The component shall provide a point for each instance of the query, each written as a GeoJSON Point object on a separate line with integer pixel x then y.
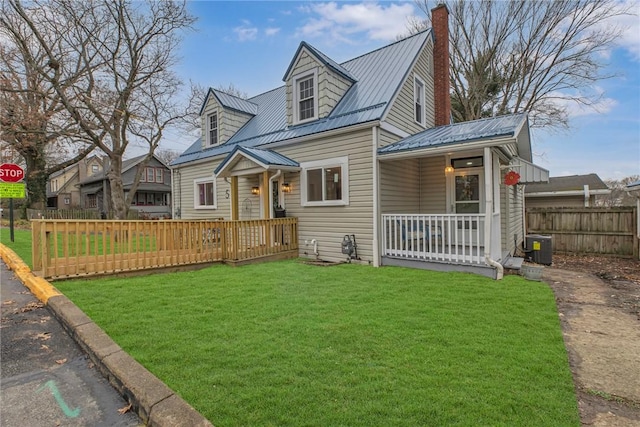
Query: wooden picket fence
{"type": "Point", "coordinates": [606, 231]}
{"type": "Point", "coordinates": [74, 248]}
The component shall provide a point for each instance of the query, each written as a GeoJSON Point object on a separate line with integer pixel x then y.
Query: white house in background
{"type": "Point", "coordinates": [365, 149]}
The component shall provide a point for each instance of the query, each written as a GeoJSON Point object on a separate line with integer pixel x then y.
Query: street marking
{"type": "Point", "coordinates": [71, 413]}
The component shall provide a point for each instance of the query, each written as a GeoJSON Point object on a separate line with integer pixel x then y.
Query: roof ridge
{"type": "Point", "coordinates": [387, 46]}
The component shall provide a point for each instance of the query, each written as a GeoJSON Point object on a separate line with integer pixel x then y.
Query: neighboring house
{"type": "Point", "coordinates": [152, 198]}
{"type": "Point", "coordinates": [63, 186]}
{"type": "Point", "coordinates": [364, 151]}
{"type": "Point", "coordinates": [566, 191]}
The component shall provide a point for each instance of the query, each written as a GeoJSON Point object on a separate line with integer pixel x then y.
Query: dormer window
{"type": "Point", "coordinates": [306, 97]}
{"type": "Point", "coordinates": [212, 124]}
{"type": "Point", "coordinates": [418, 95]}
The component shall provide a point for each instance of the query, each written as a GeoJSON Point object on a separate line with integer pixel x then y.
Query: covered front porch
{"type": "Point", "coordinates": [447, 200]}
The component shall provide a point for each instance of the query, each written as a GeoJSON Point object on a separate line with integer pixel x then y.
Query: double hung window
{"type": "Point", "coordinates": [305, 105]}
{"type": "Point", "coordinates": [212, 128]}
{"type": "Point", "coordinates": [205, 193]}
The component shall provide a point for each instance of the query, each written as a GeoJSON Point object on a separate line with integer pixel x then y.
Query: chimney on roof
{"type": "Point", "coordinates": [441, 78]}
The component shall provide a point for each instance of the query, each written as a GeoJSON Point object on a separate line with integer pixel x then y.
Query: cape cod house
{"type": "Point", "coordinates": [364, 156]}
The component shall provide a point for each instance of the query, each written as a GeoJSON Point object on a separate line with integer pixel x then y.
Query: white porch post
{"type": "Point", "coordinates": [488, 211]}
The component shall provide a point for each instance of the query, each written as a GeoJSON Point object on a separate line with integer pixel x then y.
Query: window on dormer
{"type": "Point", "coordinates": [212, 128]}
{"type": "Point", "coordinates": [306, 97]}
{"type": "Point", "coordinates": [418, 96]}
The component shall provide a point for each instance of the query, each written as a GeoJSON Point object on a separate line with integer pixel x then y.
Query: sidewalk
{"type": "Point", "coordinates": [153, 402]}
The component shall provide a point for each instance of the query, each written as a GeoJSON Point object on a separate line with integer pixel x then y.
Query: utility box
{"type": "Point", "coordinates": [539, 249]}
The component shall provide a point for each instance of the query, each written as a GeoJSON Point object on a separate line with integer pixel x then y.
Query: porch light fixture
{"type": "Point", "coordinates": [286, 187]}
{"type": "Point", "coordinates": [448, 169]}
{"type": "Point", "coordinates": [255, 190]}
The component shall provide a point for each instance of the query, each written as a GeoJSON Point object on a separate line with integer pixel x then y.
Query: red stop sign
{"type": "Point", "coordinates": [10, 172]}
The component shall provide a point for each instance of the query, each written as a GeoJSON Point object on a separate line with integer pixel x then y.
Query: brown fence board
{"type": "Point", "coordinates": [607, 231]}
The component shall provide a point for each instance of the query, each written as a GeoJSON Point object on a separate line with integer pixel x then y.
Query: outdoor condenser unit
{"type": "Point", "coordinates": [539, 249]}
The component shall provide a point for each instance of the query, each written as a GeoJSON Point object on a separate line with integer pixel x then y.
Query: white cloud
{"type": "Point", "coordinates": [271, 31]}
{"type": "Point", "coordinates": [340, 22]}
{"type": "Point", "coordinates": [246, 32]}
{"type": "Point", "coordinates": [630, 39]}
{"type": "Point", "coordinates": [602, 105]}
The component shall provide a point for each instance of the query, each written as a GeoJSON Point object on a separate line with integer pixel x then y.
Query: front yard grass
{"type": "Point", "coordinates": [290, 344]}
{"type": "Point", "coordinates": [21, 244]}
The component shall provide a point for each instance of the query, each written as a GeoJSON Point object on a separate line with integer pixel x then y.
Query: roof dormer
{"type": "Point", "coordinates": [315, 84]}
{"type": "Point", "coordinates": [222, 116]}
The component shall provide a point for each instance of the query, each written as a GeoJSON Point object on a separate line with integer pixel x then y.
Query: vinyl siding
{"type": "Point", "coordinates": [326, 224]}
{"type": "Point", "coordinates": [400, 186]}
{"type": "Point", "coordinates": [329, 224]}
{"type": "Point", "coordinates": [433, 185]}
{"type": "Point", "coordinates": [401, 114]}
{"type": "Point", "coordinates": [229, 121]}
{"type": "Point", "coordinates": [511, 219]}
{"type": "Point", "coordinates": [331, 86]}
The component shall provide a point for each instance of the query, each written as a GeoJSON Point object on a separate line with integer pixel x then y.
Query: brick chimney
{"type": "Point", "coordinates": [442, 97]}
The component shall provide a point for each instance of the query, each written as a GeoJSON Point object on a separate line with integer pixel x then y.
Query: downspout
{"type": "Point", "coordinates": [273, 177]}
{"type": "Point", "coordinates": [488, 214]}
{"type": "Point", "coordinates": [376, 199]}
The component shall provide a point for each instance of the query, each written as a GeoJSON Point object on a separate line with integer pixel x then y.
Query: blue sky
{"type": "Point", "coordinates": [249, 44]}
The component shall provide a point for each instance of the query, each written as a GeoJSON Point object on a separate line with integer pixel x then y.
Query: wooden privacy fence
{"type": "Point", "coordinates": [608, 231]}
{"type": "Point", "coordinates": [71, 248]}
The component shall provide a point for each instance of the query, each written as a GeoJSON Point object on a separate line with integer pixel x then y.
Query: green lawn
{"type": "Point", "coordinates": [21, 244]}
{"type": "Point", "coordinates": [289, 344]}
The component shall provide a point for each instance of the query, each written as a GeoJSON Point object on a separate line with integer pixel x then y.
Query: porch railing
{"type": "Point", "coordinates": [444, 237]}
{"type": "Point", "coordinates": [70, 248]}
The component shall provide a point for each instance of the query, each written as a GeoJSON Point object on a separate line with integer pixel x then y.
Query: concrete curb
{"type": "Point", "coordinates": [154, 402]}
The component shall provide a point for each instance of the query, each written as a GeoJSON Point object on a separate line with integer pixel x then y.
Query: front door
{"type": "Point", "coordinates": [468, 199]}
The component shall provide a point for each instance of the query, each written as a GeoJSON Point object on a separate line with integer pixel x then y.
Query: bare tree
{"type": "Point", "coordinates": [166, 155]}
{"type": "Point", "coordinates": [33, 122]}
{"type": "Point", "coordinates": [533, 56]}
{"type": "Point", "coordinates": [110, 63]}
{"type": "Point", "coordinates": [618, 196]}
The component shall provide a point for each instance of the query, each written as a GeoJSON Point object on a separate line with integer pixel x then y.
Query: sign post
{"type": "Point", "coordinates": [11, 188]}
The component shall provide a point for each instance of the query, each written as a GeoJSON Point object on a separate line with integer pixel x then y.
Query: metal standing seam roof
{"type": "Point", "coordinates": [323, 58]}
{"type": "Point", "coordinates": [378, 74]}
{"type": "Point", "coordinates": [265, 157]}
{"type": "Point", "coordinates": [476, 130]}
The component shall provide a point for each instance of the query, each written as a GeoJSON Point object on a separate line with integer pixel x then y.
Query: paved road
{"type": "Point", "coordinates": [45, 378]}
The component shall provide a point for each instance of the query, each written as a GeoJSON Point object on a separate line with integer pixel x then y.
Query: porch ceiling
{"type": "Point", "coordinates": [235, 163]}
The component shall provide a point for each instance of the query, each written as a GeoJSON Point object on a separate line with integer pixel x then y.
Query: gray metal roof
{"type": "Point", "coordinates": [323, 58]}
{"type": "Point", "coordinates": [379, 75]}
{"type": "Point", "coordinates": [235, 103]}
{"type": "Point", "coordinates": [568, 183]}
{"type": "Point", "coordinates": [264, 157]}
{"type": "Point", "coordinates": [476, 130]}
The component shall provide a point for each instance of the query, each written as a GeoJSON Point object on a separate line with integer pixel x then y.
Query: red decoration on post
{"type": "Point", "coordinates": [512, 178]}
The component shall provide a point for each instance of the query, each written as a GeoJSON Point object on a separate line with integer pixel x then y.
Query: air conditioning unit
{"type": "Point", "coordinates": [539, 249]}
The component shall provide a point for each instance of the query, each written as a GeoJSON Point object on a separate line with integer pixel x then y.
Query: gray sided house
{"type": "Point", "coordinates": [63, 186]}
{"type": "Point", "coordinates": [153, 196]}
{"type": "Point", "coordinates": [566, 191]}
{"type": "Point", "coordinates": [365, 149]}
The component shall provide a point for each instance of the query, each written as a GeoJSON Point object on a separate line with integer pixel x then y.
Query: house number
{"type": "Point", "coordinates": [226, 194]}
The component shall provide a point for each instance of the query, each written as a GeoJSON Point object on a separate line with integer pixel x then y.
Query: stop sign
{"type": "Point", "coordinates": [10, 172]}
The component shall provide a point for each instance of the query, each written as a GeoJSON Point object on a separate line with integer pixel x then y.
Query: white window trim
{"type": "Point", "coordinates": [214, 113]}
{"type": "Point", "coordinates": [418, 80]}
{"type": "Point", "coordinates": [343, 162]}
{"type": "Point", "coordinates": [296, 96]}
{"type": "Point", "coordinates": [196, 193]}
